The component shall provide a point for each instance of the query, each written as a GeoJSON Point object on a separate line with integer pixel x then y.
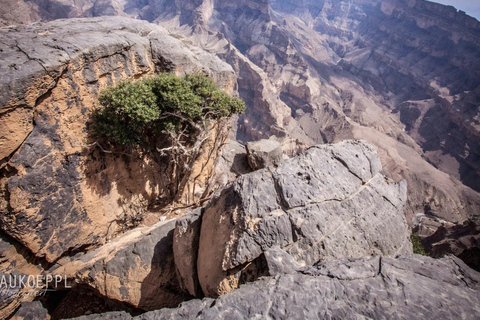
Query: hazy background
{"type": "Point", "coordinates": [471, 7]}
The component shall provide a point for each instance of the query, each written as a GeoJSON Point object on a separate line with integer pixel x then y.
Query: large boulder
{"type": "Point", "coordinates": [328, 203]}
{"type": "Point", "coordinates": [60, 193]}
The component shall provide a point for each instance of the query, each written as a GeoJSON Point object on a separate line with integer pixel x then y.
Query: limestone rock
{"type": "Point", "coordinates": [263, 153]}
{"type": "Point", "coordinates": [378, 287]}
{"type": "Point", "coordinates": [31, 310]}
{"type": "Point", "coordinates": [185, 249]}
{"type": "Point", "coordinates": [355, 76]}
{"type": "Point", "coordinates": [137, 268]}
{"type": "Point", "coordinates": [329, 203]}
{"type": "Point", "coordinates": [60, 193]}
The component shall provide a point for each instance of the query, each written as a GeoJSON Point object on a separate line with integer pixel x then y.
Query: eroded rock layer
{"type": "Point", "coordinates": [61, 192]}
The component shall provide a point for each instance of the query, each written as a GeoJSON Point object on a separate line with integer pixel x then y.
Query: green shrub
{"type": "Point", "coordinates": [417, 244]}
{"type": "Point", "coordinates": [136, 113]}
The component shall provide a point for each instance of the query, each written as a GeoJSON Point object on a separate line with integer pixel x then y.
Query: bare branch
{"type": "Point", "coordinates": [166, 115]}
{"type": "Point", "coordinates": [96, 143]}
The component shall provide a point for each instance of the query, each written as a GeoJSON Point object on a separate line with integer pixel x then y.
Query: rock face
{"type": "Point", "coordinates": [61, 193]}
{"type": "Point", "coordinates": [185, 250]}
{"type": "Point", "coordinates": [263, 153]}
{"type": "Point", "coordinates": [31, 310]}
{"type": "Point", "coordinates": [329, 203]}
{"type": "Point", "coordinates": [380, 288]}
{"type": "Point", "coordinates": [137, 268]}
{"type": "Point", "coordinates": [399, 74]}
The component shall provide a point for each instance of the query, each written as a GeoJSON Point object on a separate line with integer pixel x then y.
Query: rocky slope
{"type": "Point", "coordinates": [310, 72]}
{"type": "Point", "coordinates": [378, 288]}
{"type": "Point", "coordinates": [330, 70]}
{"type": "Point", "coordinates": [62, 192]}
{"type": "Point", "coordinates": [327, 204]}
{"type": "Point", "coordinates": [402, 75]}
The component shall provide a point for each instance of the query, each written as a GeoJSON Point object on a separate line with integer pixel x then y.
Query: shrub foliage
{"type": "Point", "coordinates": [418, 247]}
{"type": "Point", "coordinates": [170, 116]}
{"type": "Point", "coordinates": [137, 113]}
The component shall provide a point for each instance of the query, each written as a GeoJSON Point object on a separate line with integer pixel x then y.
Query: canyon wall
{"type": "Point", "coordinates": [402, 75]}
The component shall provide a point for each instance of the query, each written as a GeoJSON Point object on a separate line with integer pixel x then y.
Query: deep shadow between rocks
{"type": "Point", "coordinates": [82, 300]}
{"type": "Point", "coordinates": [240, 164]}
{"type": "Point", "coordinates": [161, 287]}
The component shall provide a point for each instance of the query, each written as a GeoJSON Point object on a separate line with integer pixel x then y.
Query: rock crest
{"type": "Point", "coordinates": [263, 153]}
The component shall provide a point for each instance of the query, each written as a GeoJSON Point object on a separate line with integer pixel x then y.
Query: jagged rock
{"type": "Point", "coordinates": [137, 268]}
{"type": "Point", "coordinates": [328, 203]}
{"type": "Point", "coordinates": [341, 78]}
{"type": "Point", "coordinates": [407, 287]}
{"type": "Point", "coordinates": [263, 153]}
{"type": "Point", "coordinates": [59, 193]}
{"type": "Point", "coordinates": [280, 262]}
{"type": "Point", "coordinates": [440, 238]}
{"type": "Point", "coordinates": [185, 250]}
{"type": "Point", "coordinates": [30, 311]}
{"type": "Point", "coordinates": [15, 260]}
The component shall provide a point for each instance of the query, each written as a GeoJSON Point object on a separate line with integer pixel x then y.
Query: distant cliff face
{"type": "Point", "coordinates": [402, 75]}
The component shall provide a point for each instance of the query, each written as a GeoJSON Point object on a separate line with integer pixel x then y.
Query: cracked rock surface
{"type": "Point", "coordinates": [407, 287]}
{"type": "Point", "coordinates": [329, 203]}
{"type": "Point", "coordinates": [59, 193]}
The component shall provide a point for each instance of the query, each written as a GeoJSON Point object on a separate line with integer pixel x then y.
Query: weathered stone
{"type": "Point", "coordinates": [30, 311]}
{"type": "Point", "coordinates": [406, 287]}
{"type": "Point", "coordinates": [185, 250]}
{"type": "Point", "coordinates": [263, 153]}
{"type": "Point", "coordinates": [280, 262]}
{"type": "Point", "coordinates": [60, 193]}
{"type": "Point", "coordinates": [137, 268]}
{"type": "Point", "coordinates": [328, 203]}
{"type": "Point", "coordinates": [114, 315]}
{"type": "Point", "coordinates": [355, 77]}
